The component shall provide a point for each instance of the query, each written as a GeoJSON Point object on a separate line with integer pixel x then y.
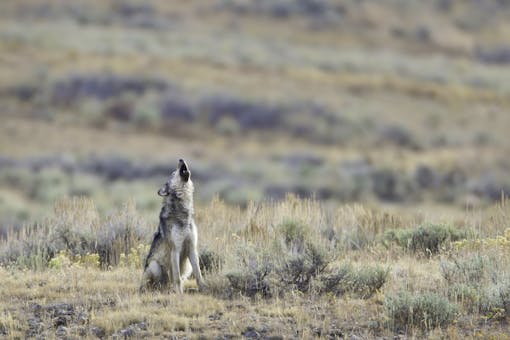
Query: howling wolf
{"type": "Point", "coordinates": [174, 245]}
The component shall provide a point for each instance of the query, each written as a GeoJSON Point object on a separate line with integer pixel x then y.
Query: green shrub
{"type": "Point", "coordinates": [337, 282]}
{"type": "Point", "coordinates": [368, 280]}
{"type": "Point", "coordinates": [425, 239]}
{"type": "Point", "coordinates": [469, 269]}
{"type": "Point", "coordinates": [210, 261]}
{"type": "Point", "coordinates": [296, 262]}
{"type": "Point", "coordinates": [291, 263]}
{"type": "Point", "coordinates": [298, 271]}
{"type": "Point", "coordinates": [250, 272]}
{"type": "Point", "coordinates": [494, 300]}
{"type": "Point", "coordinates": [465, 295]}
{"type": "Point", "coordinates": [481, 282]}
{"type": "Point", "coordinates": [362, 282]}
{"type": "Point", "coordinates": [252, 281]}
{"type": "Point", "coordinates": [294, 233]}
{"type": "Point", "coordinates": [425, 311]}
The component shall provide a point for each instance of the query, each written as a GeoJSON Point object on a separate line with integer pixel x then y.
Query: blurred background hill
{"type": "Point", "coordinates": [393, 102]}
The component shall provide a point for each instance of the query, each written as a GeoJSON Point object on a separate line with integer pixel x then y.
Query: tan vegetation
{"type": "Point", "coordinates": [319, 271]}
{"type": "Point", "coordinates": [388, 119]}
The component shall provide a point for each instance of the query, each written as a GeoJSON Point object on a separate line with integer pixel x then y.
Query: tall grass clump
{"type": "Point", "coordinates": [120, 233]}
{"type": "Point", "coordinates": [29, 247]}
{"type": "Point", "coordinates": [76, 229]}
{"type": "Point", "coordinates": [357, 227]}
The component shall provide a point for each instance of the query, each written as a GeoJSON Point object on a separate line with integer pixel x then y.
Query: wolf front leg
{"type": "Point", "coordinates": [193, 258]}
{"type": "Point", "coordinates": [176, 271]}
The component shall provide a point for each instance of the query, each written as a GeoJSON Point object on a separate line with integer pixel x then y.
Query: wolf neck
{"type": "Point", "coordinates": [178, 206]}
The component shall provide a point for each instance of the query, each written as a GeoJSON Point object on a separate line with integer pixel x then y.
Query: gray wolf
{"type": "Point", "coordinates": [174, 246]}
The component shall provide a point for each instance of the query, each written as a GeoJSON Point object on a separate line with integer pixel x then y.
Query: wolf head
{"type": "Point", "coordinates": [179, 184]}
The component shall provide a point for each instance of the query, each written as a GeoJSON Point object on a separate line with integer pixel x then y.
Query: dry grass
{"type": "Point", "coordinates": [76, 298]}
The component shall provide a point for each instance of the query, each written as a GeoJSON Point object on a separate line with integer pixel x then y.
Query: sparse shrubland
{"type": "Point", "coordinates": [275, 257]}
{"type": "Point", "coordinates": [390, 134]}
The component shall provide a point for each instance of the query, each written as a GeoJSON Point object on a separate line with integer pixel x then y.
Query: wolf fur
{"type": "Point", "coordinates": [174, 246]}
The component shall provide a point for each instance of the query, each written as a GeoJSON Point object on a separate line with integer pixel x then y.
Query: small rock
{"type": "Point", "coordinates": [61, 331]}
{"type": "Point", "coordinates": [250, 332]}
{"type": "Point", "coordinates": [35, 308]}
{"type": "Point", "coordinates": [215, 316]}
{"type": "Point", "coordinates": [61, 321]}
{"type": "Point", "coordinates": [317, 331]}
{"type": "Point", "coordinates": [82, 318]}
{"type": "Point", "coordinates": [97, 331]}
{"type": "Point", "coordinates": [35, 326]}
{"type": "Point", "coordinates": [373, 324]}
{"type": "Point", "coordinates": [128, 332]}
{"type": "Point", "coordinates": [82, 331]}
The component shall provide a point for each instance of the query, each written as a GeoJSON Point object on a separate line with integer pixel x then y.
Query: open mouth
{"type": "Point", "coordinates": [183, 170]}
{"type": "Point", "coordinates": [182, 165]}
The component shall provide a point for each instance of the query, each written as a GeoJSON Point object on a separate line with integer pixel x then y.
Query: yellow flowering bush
{"type": "Point", "coordinates": [64, 260]}
{"type": "Point", "coordinates": [501, 241]}
{"type": "Point", "coordinates": [135, 257]}
{"type": "Point", "coordinates": [87, 260]}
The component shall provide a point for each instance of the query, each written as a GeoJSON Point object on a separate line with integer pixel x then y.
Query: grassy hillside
{"type": "Point", "coordinates": [341, 99]}
{"type": "Point", "coordinates": [386, 120]}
